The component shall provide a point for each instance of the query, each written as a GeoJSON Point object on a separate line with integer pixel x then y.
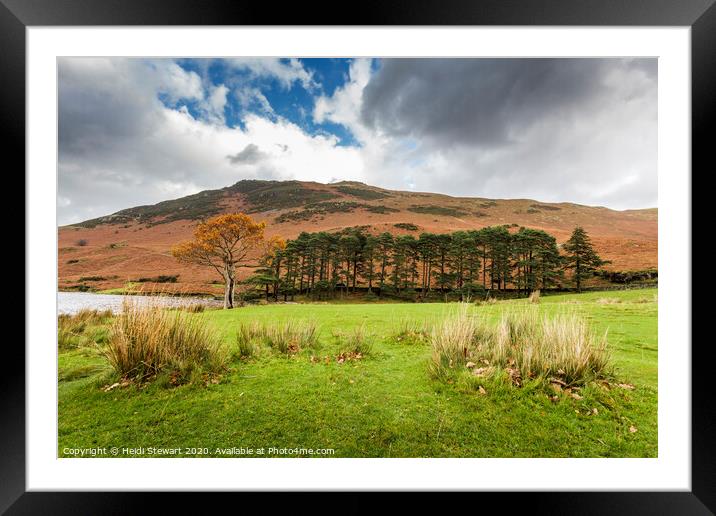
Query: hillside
{"type": "Point", "coordinates": [133, 245]}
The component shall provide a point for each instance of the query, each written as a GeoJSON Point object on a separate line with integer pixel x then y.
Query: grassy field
{"type": "Point", "coordinates": [384, 404]}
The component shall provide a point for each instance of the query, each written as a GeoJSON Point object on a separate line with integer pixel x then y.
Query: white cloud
{"type": "Point", "coordinates": [344, 106]}
{"type": "Point", "coordinates": [285, 71]}
{"type": "Point", "coordinates": [249, 97]}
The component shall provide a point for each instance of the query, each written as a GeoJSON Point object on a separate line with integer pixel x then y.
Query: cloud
{"type": "Point", "coordinates": [286, 71]}
{"type": "Point", "coordinates": [252, 98]}
{"type": "Point", "coordinates": [344, 106]}
{"type": "Point", "coordinates": [249, 156]}
{"type": "Point", "coordinates": [552, 129]}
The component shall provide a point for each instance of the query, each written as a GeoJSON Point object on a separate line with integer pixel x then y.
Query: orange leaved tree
{"type": "Point", "coordinates": [224, 243]}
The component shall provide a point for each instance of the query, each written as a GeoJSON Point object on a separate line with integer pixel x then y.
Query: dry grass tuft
{"type": "Point", "coordinates": [525, 343]}
{"type": "Point", "coordinates": [147, 339]}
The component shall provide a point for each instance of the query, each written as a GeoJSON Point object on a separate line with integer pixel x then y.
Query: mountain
{"type": "Point", "coordinates": [133, 245]}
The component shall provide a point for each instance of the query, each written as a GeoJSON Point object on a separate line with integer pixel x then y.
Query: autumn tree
{"type": "Point", "coordinates": [581, 257]}
{"type": "Point", "coordinates": [223, 243]}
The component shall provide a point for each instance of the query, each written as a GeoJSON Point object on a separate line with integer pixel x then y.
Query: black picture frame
{"type": "Point", "coordinates": [700, 15]}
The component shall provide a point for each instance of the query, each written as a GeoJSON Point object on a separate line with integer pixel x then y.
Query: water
{"type": "Point", "coordinates": [73, 302]}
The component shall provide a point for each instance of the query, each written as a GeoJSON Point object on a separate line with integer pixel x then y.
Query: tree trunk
{"type": "Point", "coordinates": [228, 290]}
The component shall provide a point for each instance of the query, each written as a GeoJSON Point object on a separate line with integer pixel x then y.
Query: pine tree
{"type": "Point", "coordinates": [581, 257]}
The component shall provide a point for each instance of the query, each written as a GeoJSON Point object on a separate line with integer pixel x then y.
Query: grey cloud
{"type": "Point", "coordinates": [552, 129]}
{"type": "Point", "coordinates": [481, 102]}
{"type": "Point", "coordinates": [249, 156]}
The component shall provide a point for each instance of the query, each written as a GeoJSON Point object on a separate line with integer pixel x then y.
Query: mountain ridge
{"type": "Point", "coordinates": [136, 242]}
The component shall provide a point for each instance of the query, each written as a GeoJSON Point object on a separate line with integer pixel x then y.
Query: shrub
{"type": "Point", "coordinates": [169, 278]}
{"type": "Point", "coordinates": [82, 242]}
{"type": "Point", "coordinates": [406, 225]}
{"type": "Point", "coordinates": [145, 340]}
{"type": "Point", "coordinates": [525, 344]}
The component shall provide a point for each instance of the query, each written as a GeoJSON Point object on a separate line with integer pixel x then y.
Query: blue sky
{"type": "Point", "coordinates": [293, 102]}
{"type": "Point", "coordinates": [136, 131]}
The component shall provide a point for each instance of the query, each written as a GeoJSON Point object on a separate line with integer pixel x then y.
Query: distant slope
{"type": "Point", "coordinates": [135, 243]}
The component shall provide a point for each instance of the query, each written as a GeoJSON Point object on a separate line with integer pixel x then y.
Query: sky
{"type": "Point", "coordinates": [139, 131]}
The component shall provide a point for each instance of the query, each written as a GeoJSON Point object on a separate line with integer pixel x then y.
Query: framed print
{"type": "Point", "coordinates": [422, 252]}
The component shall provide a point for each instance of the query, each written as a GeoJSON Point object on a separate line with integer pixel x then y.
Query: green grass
{"type": "Point", "coordinates": [384, 404]}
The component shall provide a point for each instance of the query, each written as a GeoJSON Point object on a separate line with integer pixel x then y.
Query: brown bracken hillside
{"type": "Point", "coordinates": [135, 244]}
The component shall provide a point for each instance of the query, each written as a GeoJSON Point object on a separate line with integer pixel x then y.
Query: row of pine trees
{"type": "Point", "coordinates": [462, 263]}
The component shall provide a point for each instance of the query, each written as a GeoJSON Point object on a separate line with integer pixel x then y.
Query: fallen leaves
{"type": "Point", "coordinates": [633, 429]}
{"type": "Point", "coordinates": [515, 376]}
{"type": "Point", "coordinates": [483, 371]}
{"type": "Point", "coordinates": [347, 356]}
{"type": "Point", "coordinates": [626, 386]}
{"type": "Point", "coordinates": [123, 383]}
{"type": "Point", "coordinates": [557, 381]}
{"type": "Point", "coordinates": [211, 379]}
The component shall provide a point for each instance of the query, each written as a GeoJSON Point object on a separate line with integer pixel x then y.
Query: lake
{"type": "Point", "coordinates": [73, 302]}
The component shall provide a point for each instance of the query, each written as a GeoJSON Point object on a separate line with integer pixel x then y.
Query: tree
{"type": "Point", "coordinates": [581, 257]}
{"type": "Point", "coordinates": [223, 243]}
{"type": "Point", "coordinates": [268, 273]}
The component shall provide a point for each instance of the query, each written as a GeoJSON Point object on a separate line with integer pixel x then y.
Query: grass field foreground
{"type": "Point", "coordinates": [380, 401]}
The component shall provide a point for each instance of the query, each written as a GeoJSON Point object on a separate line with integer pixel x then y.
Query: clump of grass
{"type": "Point", "coordinates": [357, 341]}
{"type": "Point", "coordinates": [287, 337]}
{"type": "Point", "coordinates": [642, 300]}
{"type": "Point", "coordinates": [525, 344]}
{"type": "Point", "coordinates": [146, 339]}
{"type": "Point", "coordinates": [81, 329]}
{"type": "Point", "coordinates": [247, 336]}
{"type": "Point", "coordinates": [608, 301]}
{"type": "Point", "coordinates": [534, 297]}
{"type": "Point", "coordinates": [410, 331]}
{"type": "Point", "coordinates": [291, 336]}
{"type": "Point", "coordinates": [454, 339]}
